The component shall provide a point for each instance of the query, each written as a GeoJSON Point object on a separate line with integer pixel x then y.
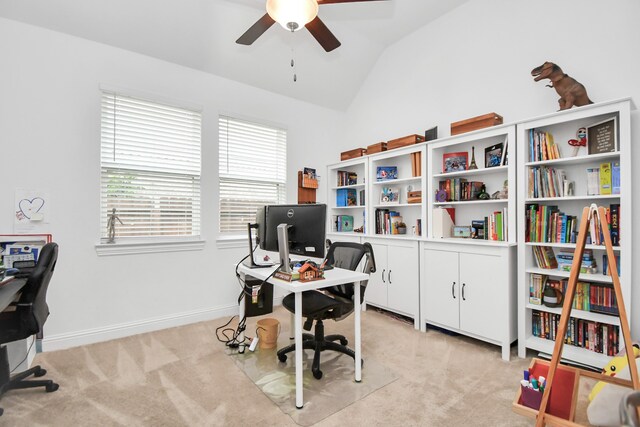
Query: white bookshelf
{"type": "Point", "coordinates": [563, 126]}
{"type": "Point", "coordinates": [359, 167]}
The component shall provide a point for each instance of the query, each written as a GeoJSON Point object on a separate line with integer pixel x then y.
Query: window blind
{"type": "Point", "coordinates": [253, 163]}
{"type": "Point", "coordinates": [150, 167]}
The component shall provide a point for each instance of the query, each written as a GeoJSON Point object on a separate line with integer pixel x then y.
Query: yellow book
{"type": "Point", "coordinates": [605, 178]}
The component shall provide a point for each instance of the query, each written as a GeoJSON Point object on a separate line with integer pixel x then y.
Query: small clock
{"type": "Point", "coordinates": [441, 196]}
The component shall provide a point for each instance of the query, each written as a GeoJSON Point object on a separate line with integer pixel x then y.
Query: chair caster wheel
{"type": "Point", "coordinates": [282, 358]}
{"type": "Point", "coordinates": [343, 341]}
{"type": "Point", "coordinates": [50, 388]}
{"type": "Point", "coordinates": [317, 374]}
{"type": "Point", "coordinates": [40, 372]}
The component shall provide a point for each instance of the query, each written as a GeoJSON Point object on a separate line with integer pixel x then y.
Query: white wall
{"type": "Point", "coordinates": [49, 133]}
{"type": "Point", "coordinates": [477, 59]}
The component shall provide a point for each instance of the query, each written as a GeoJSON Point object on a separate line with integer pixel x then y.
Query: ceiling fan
{"type": "Point", "coordinates": [293, 15]}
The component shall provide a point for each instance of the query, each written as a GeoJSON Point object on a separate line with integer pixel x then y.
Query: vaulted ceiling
{"type": "Point", "coordinates": [201, 34]}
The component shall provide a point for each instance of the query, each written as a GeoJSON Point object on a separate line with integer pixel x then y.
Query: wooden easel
{"type": "Point", "coordinates": [588, 214]}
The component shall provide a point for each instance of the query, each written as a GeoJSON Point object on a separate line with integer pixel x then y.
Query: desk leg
{"type": "Point", "coordinates": [292, 326]}
{"type": "Point", "coordinates": [299, 350]}
{"type": "Point", "coordinates": [357, 312]}
{"type": "Point", "coordinates": [240, 316]}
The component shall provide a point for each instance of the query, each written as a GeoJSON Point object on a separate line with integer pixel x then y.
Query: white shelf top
{"type": "Point", "coordinates": [348, 207]}
{"type": "Point", "coordinates": [467, 241]}
{"type": "Point", "coordinates": [569, 198]}
{"type": "Point", "coordinates": [474, 172]}
{"type": "Point", "coordinates": [584, 277]}
{"type": "Point", "coordinates": [569, 352]}
{"type": "Point", "coordinates": [472, 202]}
{"type": "Point", "coordinates": [346, 233]}
{"type": "Point", "coordinates": [396, 236]}
{"type": "Point", "coordinates": [576, 160]}
{"type": "Point", "coordinates": [397, 205]}
{"type": "Point", "coordinates": [348, 186]}
{"type": "Point", "coordinates": [579, 314]}
{"type": "Point", "coordinates": [571, 246]}
{"type": "Point", "coordinates": [399, 180]}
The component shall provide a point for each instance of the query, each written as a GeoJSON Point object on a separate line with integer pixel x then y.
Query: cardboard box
{"type": "Point", "coordinates": [404, 141]}
{"type": "Point", "coordinates": [377, 148]}
{"type": "Point", "coordinates": [352, 154]}
{"type": "Point", "coordinates": [475, 123]}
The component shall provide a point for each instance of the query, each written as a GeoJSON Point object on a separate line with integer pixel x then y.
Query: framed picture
{"type": "Point", "coordinates": [601, 137]}
{"type": "Point", "coordinates": [453, 162]}
{"type": "Point", "coordinates": [493, 155]}
{"type": "Point", "coordinates": [390, 196]}
{"type": "Point", "coordinates": [461, 231]}
{"type": "Point", "coordinates": [385, 173]}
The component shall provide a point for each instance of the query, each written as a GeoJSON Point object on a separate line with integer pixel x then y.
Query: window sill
{"type": "Point", "coordinates": [232, 241]}
{"type": "Point", "coordinates": [148, 247]}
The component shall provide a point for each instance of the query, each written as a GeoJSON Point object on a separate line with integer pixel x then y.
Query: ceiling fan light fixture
{"type": "Point", "coordinates": [293, 15]}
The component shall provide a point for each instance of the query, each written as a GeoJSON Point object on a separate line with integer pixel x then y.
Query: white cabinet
{"type": "Point", "coordinates": [470, 289]}
{"type": "Point", "coordinates": [395, 284]}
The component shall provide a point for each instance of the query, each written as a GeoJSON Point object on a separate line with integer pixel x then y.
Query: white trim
{"type": "Point", "coordinates": [148, 247]}
{"type": "Point", "coordinates": [231, 241]}
{"type": "Point", "coordinates": [90, 336]}
{"type": "Point", "coordinates": [152, 97]}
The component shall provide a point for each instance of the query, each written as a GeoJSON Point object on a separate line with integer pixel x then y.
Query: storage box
{"type": "Point", "coordinates": [474, 123]}
{"type": "Point", "coordinates": [352, 154]}
{"type": "Point", "coordinates": [377, 148]}
{"type": "Point", "coordinates": [563, 397]}
{"type": "Point", "coordinates": [404, 141]}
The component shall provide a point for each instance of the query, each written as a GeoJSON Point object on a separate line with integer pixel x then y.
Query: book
{"type": "Point", "coordinates": [615, 177]}
{"type": "Point", "coordinates": [346, 197]}
{"type": "Point", "coordinates": [593, 181]}
{"type": "Point", "coordinates": [614, 223]}
{"type": "Point", "coordinates": [345, 223]}
{"type": "Point", "coordinates": [605, 178]}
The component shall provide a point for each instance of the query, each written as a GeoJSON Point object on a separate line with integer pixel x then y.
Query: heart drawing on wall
{"type": "Point", "coordinates": [30, 207]}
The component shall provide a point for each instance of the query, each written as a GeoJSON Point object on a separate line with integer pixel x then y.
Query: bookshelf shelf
{"type": "Point", "coordinates": [550, 214]}
{"type": "Point", "coordinates": [348, 207]}
{"type": "Point", "coordinates": [388, 182]}
{"type": "Point", "coordinates": [348, 186]}
{"type": "Point", "coordinates": [473, 173]}
{"type": "Point", "coordinates": [473, 202]}
{"type": "Point", "coordinates": [400, 205]}
{"type": "Point", "coordinates": [578, 314]}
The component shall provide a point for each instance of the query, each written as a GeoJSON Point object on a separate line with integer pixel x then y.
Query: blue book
{"type": "Point", "coordinates": [563, 230]}
{"type": "Point", "coordinates": [341, 197]}
{"type": "Point", "coordinates": [615, 177]}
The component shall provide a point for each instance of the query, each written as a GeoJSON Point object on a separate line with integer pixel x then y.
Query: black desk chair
{"type": "Point", "coordinates": [336, 303]}
{"type": "Point", "coordinates": [26, 318]}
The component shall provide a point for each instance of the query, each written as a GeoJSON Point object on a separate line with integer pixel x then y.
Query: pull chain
{"type": "Point", "coordinates": [293, 65]}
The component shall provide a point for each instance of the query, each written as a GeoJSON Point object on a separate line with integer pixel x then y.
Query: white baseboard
{"type": "Point", "coordinates": [91, 336]}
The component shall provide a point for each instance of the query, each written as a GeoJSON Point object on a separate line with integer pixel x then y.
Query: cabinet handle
{"type": "Point", "coordinates": [463, 285]}
{"type": "Point", "coordinates": [383, 270]}
{"type": "Point", "coordinates": [389, 276]}
{"type": "Point", "coordinates": [453, 287]}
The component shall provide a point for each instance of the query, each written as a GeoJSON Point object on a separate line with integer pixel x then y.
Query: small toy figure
{"type": "Point", "coordinates": [111, 226]}
{"type": "Point", "coordinates": [580, 142]}
{"type": "Point", "coordinates": [571, 92]}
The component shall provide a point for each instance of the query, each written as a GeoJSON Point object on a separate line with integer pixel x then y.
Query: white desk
{"type": "Point", "coordinates": [334, 277]}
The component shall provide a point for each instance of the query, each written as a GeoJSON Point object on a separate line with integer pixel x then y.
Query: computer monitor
{"type": "Point", "coordinates": [305, 227]}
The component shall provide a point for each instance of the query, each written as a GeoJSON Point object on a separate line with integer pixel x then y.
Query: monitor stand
{"type": "Point", "coordinates": [252, 263]}
{"type": "Point", "coordinates": [283, 247]}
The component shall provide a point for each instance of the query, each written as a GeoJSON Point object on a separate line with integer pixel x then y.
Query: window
{"type": "Point", "coordinates": [253, 163]}
{"type": "Point", "coordinates": [150, 168]}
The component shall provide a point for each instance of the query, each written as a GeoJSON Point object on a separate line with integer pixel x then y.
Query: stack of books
{"type": "Point", "coordinates": [565, 261]}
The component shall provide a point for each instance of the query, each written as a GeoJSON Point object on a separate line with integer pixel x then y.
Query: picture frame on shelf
{"type": "Point", "coordinates": [386, 173]}
{"type": "Point", "coordinates": [461, 231]}
{"type": "Point", "coordinates": [389, 196]}
{"type": "Point", "coordinates": [601, 136]}
{"type": "Point", "coordinates": [493, 155]}
{"type": "Point", "coordinates": [454, 162]}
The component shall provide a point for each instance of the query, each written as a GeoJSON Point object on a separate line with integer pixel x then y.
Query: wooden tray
{"type": "Point", "coordinates": [404, 141]}
{"type": "Point", "coordinates": [352, 154]}
{"type": "Point", "coordinates": [475, 123]}
{"type": "Point", "coordinates": [377, 148]}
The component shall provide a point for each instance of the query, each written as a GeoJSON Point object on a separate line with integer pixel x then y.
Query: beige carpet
{"type": "Point", "coordinates": [182, 377]}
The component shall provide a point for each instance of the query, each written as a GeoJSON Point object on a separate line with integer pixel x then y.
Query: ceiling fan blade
{"type": "Point", "coordinates": [343, 1]}
{"type": "Point", "coordinates": [256, 30]}
{"type": "Point", "coordinates": [321, 33]}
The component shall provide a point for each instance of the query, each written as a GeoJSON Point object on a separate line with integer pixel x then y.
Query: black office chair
{"type": "Point", "coordinates": [26, 318]}
{"type": "Point", "coordinates": [335, 303]}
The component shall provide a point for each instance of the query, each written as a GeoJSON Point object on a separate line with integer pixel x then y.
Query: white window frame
{"type": "Point", "coordinates": [152, 243]}
{"type": "Point", "coordinates": [274, 141]}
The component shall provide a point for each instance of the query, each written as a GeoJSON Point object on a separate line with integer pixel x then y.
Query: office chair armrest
{"type": "Point", "coordinates": [24, 304]}
{"type": "Point", "coordinates": [370, 265]}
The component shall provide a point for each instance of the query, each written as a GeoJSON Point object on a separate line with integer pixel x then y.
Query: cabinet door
{"type": "Point", "coordinates": [403, 279]}
{"type": "Point", "coordinates": [482, 291]}
{"type": "Point", "coordinates": [376, 292]}
{"type": "Point", "coordinates": [441, 287]}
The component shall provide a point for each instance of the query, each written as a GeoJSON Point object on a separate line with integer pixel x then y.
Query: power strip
{"type": "Point", "coordinates": [254, 344]}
